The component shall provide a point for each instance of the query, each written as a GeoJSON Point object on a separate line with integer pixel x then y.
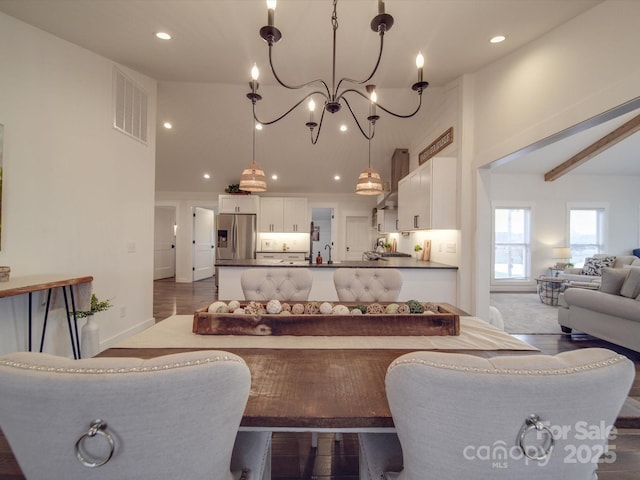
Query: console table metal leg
{"type": "Point", "coordinates": [30, 320]}
{"type": "Point", "coordinates": [46, 316]}
{"type": "Point", "coordinates": [76, 354]}
{"type": "Point", "coordinates": [75, 320]}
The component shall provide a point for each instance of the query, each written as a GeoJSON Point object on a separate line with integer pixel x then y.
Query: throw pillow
{"type": "Point", "coordinates": [631, 286]}
{"type": "Point", "coordinates": [593, 266]}
{"type": "Point", "coordinates": [613, 279]}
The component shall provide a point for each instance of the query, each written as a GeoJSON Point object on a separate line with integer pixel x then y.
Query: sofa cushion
{"type": "Point", "coordinates": [597, 301]}
{"type": "Point", "coordinates": [613, 279]}
{"type": "Point", "coordinates": [594, 266]}
{"type": "Point", "coordinates": [631, 286]}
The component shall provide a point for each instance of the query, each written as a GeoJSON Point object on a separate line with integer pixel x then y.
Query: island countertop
{"type": "Point", "coordinates": [389, 262]}
{"type": "Point", "coordinates": [428, 281]}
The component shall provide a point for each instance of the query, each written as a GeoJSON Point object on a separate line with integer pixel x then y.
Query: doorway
{"type": "Point", "coordinates": [203, 243]}
{"type": "Point", "coordinates": [164, 248]}
{"type": "Point", "coordinates": [357, 237]}
{"type": "Point", "coordinates": [323, 224]}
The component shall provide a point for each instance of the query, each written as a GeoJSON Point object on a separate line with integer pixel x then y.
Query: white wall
{"type": "Point", "coordinates": [77, 194]}
{"type": "Point", "coordinates": [584, 67]}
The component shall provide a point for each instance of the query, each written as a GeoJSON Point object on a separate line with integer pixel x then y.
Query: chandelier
{"type": "Point", "coordinates": [335, 95]}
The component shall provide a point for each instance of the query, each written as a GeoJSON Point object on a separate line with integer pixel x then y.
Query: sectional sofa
{"type": "Point", "coordinates": [611, 312]}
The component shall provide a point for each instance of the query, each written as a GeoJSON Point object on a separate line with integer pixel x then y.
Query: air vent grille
{"type": "Point", "coordinates": [130, 107]}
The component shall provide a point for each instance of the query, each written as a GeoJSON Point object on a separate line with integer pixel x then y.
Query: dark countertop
{"type": "Point", "coordinates": [390, 262]}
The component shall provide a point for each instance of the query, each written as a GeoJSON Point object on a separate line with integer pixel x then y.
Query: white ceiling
{"type": "Point", "coordinates": [217, 41]}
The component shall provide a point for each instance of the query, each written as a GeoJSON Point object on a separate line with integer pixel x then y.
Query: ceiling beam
{"type": "Point", "coordinates": [608, 141]}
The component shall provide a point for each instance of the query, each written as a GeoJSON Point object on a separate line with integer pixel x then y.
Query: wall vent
{"type": "Point", "coordinates": [130, 107]}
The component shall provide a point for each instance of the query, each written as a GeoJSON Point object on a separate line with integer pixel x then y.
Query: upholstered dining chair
{"type": "Point", "coordinates": [513, 417]}
{"type": "Point", "coordinates": [174, 416]}
{"type": "Point", "coordinates": [276, 284]}
{"type": "Point", "coordinates": [367, 284]}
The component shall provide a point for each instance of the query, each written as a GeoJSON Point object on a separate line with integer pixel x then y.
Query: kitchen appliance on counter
{"type": "Point", "coordinates": [236, 237]}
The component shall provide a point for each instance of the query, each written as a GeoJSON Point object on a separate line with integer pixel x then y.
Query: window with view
{"type": "Point", "coordinates": [586, 233]}
{"type": "Point", "coordinates": [512, 243]}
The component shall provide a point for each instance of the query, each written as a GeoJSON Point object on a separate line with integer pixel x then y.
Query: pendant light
{"type": "Point", "coordinates": [369, 181]}
{"type": "Point", "coordinates": [253, 178]}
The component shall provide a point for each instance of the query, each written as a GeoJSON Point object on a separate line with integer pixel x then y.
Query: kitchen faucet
{"type": "Point", "coordinates": [329, 247]}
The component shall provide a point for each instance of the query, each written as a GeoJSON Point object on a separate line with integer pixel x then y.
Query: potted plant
{"type": "Point", "coordinates": [90, 333]}
{"type": "Point", "coordinates": [387, 246]}
{"type": "Point", "coordinates": [418, 249]}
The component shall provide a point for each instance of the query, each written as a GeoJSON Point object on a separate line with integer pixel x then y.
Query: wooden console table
{"type": "Point", "coordinates": [37, 283]}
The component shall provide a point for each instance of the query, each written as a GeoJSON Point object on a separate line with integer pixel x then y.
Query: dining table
{"type": "Point", "coordinates": [314, 389]}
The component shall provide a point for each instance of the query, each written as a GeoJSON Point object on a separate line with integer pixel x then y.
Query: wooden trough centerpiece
{"type": "Point", "coordinates": [435, 320]}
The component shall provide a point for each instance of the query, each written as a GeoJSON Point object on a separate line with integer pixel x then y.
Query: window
{"type": "Point", "coordinates": [512, 243]}
{"type": "Point", "coordinates": [586, 233]}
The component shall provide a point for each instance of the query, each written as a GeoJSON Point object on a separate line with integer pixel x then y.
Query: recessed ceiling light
{"type": "Point", "coordinates": [258, 126]}
{"type": "Point", "coordinates": [163, 35]}
{"type": "Point", "coordinates": [207, 176]}
{"type": "Point", "coordinates": [343, 128]}
{"type": "Point", "coordinates": [336, 177]}
{"type": "Point", "coordinates": [274, 177]}
{"type": "Point", "coordinates": [167, 125]}
{"type": "Point", "coordinates": [498, 39]}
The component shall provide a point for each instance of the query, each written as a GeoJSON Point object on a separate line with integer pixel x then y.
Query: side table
{"type": "Point", "coordinates": [549, 288]}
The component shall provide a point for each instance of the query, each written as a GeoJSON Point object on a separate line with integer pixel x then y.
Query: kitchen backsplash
{"type": "Point", "coordinates": [283, 242]}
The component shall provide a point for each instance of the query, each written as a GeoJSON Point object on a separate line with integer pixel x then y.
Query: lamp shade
{"type": "Point", "coordinates": [561, 252]}
{"type": "Point", "coordinates": [369, 182]}
{"type": "Point", "coordinates": [253, 179]}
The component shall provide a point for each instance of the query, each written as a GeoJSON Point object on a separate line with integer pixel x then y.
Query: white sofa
{"type": "Point", "coordinates": [591, 272]}
{"type": "Point", "coordinates": [611, 312]}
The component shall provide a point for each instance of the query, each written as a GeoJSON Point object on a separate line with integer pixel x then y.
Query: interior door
{"type": "Point", "coordinates": [164, 251]}
{"type": "Point", "coordinates": [357, 237]}
{"type": "Point", "coordinates": [203, 243]}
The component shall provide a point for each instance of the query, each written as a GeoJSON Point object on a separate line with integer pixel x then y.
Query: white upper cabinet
{"type": "Point", "coordinates": [238, 203]}
{"type": "Point", "coordinates": [285, 214]}
{"type": "Point", "coordinates": [386, 220]}
{"type": "Point", "coordinates": [271, 218]}
{"type": "Point", "coordinates": [296, 215]}
{"type": "Point", "coordinates": [427, 197]}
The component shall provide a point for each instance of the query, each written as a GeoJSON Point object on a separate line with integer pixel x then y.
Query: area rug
{"type": "Point", "coordinates": [175, 332]}
{"type": "Point", "coordinates": [524, 313]}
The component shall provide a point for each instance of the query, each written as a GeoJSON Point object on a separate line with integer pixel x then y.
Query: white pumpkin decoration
{"type": "Point", "coordinates": [356, 311]}
{"type": "Point", "coordinates": [326, 308]}
{"type": "Point", "coordinates": [274, 306]}
{"type": "Point", "coordinates": [213, 308]}
{"type": "Point", "coordinates": [341, 310]}
{"type": "Point", "coordinates": [234, 305]}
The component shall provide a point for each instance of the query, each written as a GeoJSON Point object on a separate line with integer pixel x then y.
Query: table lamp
{"type": "Point", "coordinates": [563, 255]}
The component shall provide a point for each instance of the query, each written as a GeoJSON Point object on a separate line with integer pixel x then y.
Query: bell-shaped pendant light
{"type": "Point", "coordinates": [369, 181]}
{"type": "Point", "coordinates": [253, 178]}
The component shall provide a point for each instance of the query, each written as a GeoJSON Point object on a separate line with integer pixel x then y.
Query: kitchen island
{"type": "Point", "coordinates": [421, 280]}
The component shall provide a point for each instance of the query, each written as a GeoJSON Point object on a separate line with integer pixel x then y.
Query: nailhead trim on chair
{"type": "Point", "coordinates": [514, 371]}
{"type": "Point", "coordinates": [155, 368]}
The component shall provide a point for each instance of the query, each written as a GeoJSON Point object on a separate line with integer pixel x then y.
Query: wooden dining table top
{"type": "Point", "coordinates": [312, 389]}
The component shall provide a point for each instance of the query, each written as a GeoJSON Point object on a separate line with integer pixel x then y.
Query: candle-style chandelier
{"type": "Point", "coordinates": [336, 95]}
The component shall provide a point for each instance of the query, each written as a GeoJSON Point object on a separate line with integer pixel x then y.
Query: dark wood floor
{"type": "Point", "coordinates": [293, 457]}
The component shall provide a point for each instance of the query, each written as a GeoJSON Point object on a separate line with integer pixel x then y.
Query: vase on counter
{"type": "Point", "coordinates": [90, 338]}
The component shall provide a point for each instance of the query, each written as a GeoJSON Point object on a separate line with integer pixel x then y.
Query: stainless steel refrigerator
{"type": "Point", "coordinates": [236, 237]}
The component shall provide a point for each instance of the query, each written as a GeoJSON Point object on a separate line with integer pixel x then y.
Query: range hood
{"type": "Point", "coordinates": [399, 169]}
